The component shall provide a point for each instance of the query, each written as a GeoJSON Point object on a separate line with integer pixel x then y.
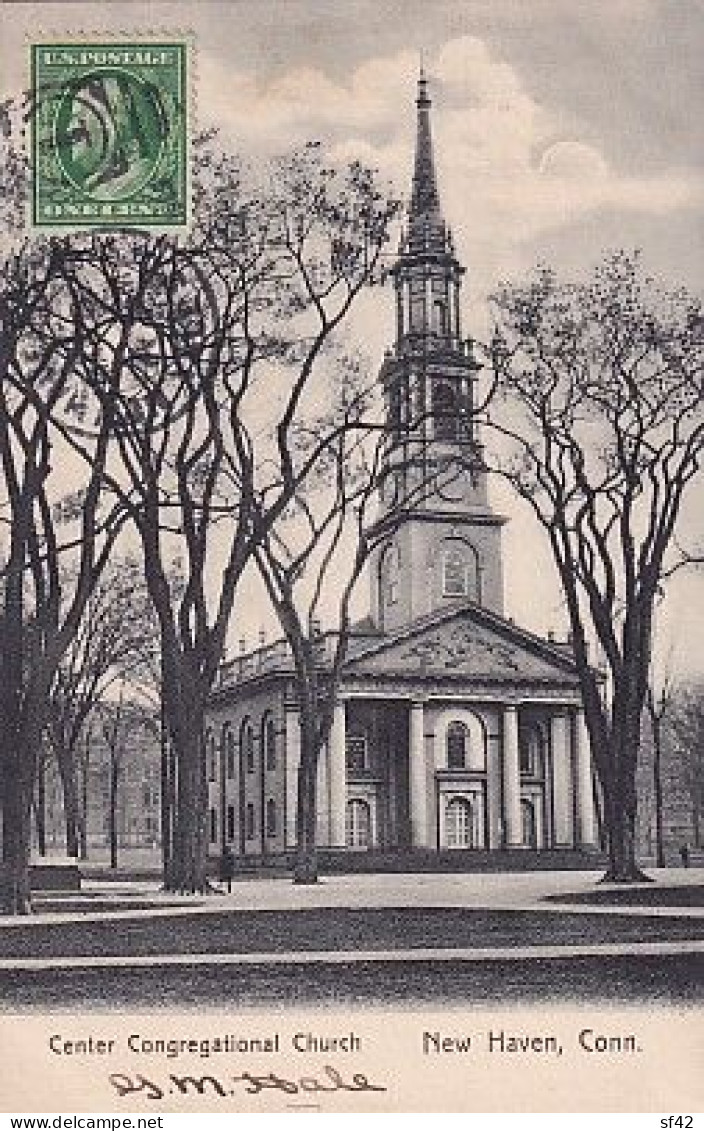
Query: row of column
{"type": "Point", "coordinates": [571, 784]}
{"type": "Point", "coordinates": [571, 781]}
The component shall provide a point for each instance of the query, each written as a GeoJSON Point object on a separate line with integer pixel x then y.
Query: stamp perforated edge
{"type": "Point", "coordinates": [186, 36]}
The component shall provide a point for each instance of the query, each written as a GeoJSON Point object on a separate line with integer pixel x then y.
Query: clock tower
{"type": "Point", "coordinates": [444, 543]}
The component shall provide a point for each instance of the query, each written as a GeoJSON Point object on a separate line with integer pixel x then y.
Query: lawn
{"type": "Point", "coordinates": [647, 895]}
{"type": "Point", "coordinates": [335, 929]}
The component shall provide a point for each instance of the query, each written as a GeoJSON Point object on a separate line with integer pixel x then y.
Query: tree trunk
{"type": "Point", "coordinates": [166, 802]}
{"type": "Point", "coordinates": [15, 890]}
{"type": "Point", "coordinates": [69, 785]}
{"type": "Point", "coordinates": [188, 870]}
{"type": "Point", "coordinates": [306, 862]}
{"type": "Point", "coordinates": [114, 778]}
{"type": "Point", "coordinates": [620, 797]}
{"type": "Point", "coordinates": [657, 789]}
{"type": "Point", "coordinates": [620, 826]}
{"type": "Point", "coordinates": [40, 808]}
{"type": "Point", "coordinates": [83, 827]}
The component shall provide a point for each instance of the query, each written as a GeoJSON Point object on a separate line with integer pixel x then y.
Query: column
{"type": "Point", "coordinates": [512, 781]}
{"type": "Point", "coordinates": [561, 780]}
{"type": "Point", "coordinates": [338, 778]}
{"type": "Point", "coordinates": [586, 817]}
{"type": "Point", "coordinates": [399, 311]}
{"type": "Point", "coordinates": [418, 777]}
{"type": "Point", "coordinates": [293, 759]}
{"type": "Point", "coordinates": [456, 290]}
{"type": "Point", "coordinates": [322, 798]}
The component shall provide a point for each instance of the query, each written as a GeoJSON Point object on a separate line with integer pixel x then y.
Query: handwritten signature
{"type": "Point", "coordinates": [330, 1080]}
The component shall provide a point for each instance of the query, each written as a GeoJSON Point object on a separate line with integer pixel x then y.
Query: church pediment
{"type": "Point", "coordinates": [470, 643]}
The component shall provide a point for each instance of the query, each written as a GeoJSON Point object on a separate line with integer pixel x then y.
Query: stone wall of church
{"type": "Point", "coordinates": [419, 571]}
{"type": "Point", "coordinates": [245, 748]}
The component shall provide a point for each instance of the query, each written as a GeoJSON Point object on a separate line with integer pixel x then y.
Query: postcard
{"type": "Point", "coordinates": [351, 545]}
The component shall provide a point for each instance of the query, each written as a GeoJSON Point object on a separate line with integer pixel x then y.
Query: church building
{"type": "Point", "coordinates": [453, 728]}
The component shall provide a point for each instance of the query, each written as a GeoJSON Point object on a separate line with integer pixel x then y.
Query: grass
{"type": "Point", "coordinates": [664, 981]}
{"type": "Point", "coordinates": [335, 929]}
{"type": "Point", "coordinates": [683, 895]}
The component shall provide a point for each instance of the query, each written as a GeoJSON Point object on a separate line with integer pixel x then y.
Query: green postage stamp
{"type": "Point", "coordinates": [109, 134]}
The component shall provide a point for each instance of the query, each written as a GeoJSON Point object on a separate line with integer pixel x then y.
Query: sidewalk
{"type": "Point", "coordinates": [524, 891]}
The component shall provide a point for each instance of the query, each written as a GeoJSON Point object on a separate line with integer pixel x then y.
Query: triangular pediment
{"type": "Point", "coordinates": [468, 642]}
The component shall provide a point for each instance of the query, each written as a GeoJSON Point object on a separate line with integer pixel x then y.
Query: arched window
{"type": "Point", "coordinates": [229, 740]}
{"type": "Point", "coordinates": [455, 572]}
{"type": "Point", "coordinates": [359, 824]}
{"type": "Point", "coordinates": [271, 817]}
{"type": "Point", "coordinates": [247, 746]}
{"type": "Point", "coordinates": [212, 758]}
{"type": "Point", "coordinates": [439, 317]}
{"type": "Point", "coordinates": [249, 824]}
{"type": "Point", "coordinates": [269, 737]}
{"type": "Point", "coordinates": [395, 411]}
{"type": "Point", "coordinates": [457, 744]}
{"type": "Point", "coordinates": [389, 575]}
{"type": "Point", "coordinates": [392, 576]}
{"type": "Point", "coordinates": [446, 410]}
{"type": "Point", "coordinates": [459, 823]}
{"type": "Point", "coordinates": [528, 824]}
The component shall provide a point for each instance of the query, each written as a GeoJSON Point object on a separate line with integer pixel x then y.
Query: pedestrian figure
{"type": "Point", "coordinates": [684, 856]}
{"type": "Point", "coordinates": [227, 867]}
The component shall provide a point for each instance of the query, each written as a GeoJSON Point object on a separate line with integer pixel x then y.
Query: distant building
{"type": "Point", "coordinates": [454, 728]}
{"type": "Point", "coordinates": [682, 784]}
{"type": "Point", "coordinates": [138, 807]}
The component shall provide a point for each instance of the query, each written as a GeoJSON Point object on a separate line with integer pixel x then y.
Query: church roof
{"type": "Point", "coordinates": [466, 645]}
{"type": "Point", "coordinates": [466, 642]}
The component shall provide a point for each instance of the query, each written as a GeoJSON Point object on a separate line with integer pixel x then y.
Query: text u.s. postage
{"type": "Point", "coordinates": [109, 134]}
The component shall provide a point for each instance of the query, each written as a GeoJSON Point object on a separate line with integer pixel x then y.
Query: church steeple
{"type": "Point", "coordinates": [427, 274]}
{"type": "Point", "coordinates": [425, 201]}
{"type": "Point", "coordinates": [447, 545]}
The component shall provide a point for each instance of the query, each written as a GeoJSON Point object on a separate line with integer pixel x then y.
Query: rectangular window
{"type": "Point", "coordinates": [356, 753]}
{"type": "Point", "coordinates": [230, 822]}
{"type": "Point", "coordinates": [213, 825]}
{"type": "Point", "coordinates": [417, 315]}
{"type": "Point", "coordinates": [271, 817]}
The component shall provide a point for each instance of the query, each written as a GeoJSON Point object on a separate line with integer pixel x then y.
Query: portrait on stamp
{"type": "Point", "coordinates": [109, 134]}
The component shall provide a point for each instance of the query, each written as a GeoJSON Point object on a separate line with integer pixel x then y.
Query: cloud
{"type": "Point", "coordinates": [508, 169]}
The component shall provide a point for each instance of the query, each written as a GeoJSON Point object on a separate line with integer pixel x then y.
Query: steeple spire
{"type": "Point", "coordinates": [425, 202]}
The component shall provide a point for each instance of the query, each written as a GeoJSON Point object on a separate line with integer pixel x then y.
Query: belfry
{"type": "Point", "coordinates": [448, 548]}
{"type": "Point", "coordinates": [453, 728]}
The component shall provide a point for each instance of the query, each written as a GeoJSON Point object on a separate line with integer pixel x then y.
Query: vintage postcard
{"type": "Point", "coordinates": [351, 557]}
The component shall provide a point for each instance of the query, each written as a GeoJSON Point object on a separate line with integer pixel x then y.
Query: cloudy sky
{"type": "Point", "coordinates": [561, 129]}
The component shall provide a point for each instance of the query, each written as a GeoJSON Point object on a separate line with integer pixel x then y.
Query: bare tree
{"type": "Point", "coordinates": [602, 412]}
{"type": "Point", "coordinates": [39, 341]}
{"type": "Point", "coordinates": [114, 642]}
{"type": "Point", "coordinates": [217, 341]}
